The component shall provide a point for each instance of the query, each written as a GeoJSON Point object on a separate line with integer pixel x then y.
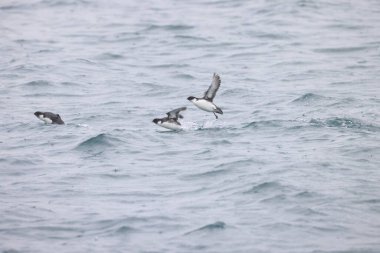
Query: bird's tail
{"type": "Point", "coordinates": [218, 110]}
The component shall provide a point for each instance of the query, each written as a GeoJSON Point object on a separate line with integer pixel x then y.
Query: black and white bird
{"type": "Point", "coordinates": [171, 121]}
{"type": "Point", "coordinates": [49, 118]}
{"type": "Point", "coordinates": [206, 103]}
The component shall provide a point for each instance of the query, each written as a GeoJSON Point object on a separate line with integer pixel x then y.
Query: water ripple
{"type": "Point", "coordinates": [344, 123]}
{"type": "Point", "coordinates": [98, 143]}
{"type": "Point", "coordinates": [219, 225]}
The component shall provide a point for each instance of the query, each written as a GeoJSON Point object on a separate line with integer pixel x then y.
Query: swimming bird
{"type": "Point", "coordinates": [49, 118]}
{"type": "Point", "coordinates": [206, 103]}
{"type": "Point", "coordinates": [171, 121]}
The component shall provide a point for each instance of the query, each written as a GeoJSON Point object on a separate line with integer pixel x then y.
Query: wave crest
{"type": "Point", "coordinates": [219, 225]}
{"type": "Point", "coordinates": [97, 143]}
{"type": "Point", "coordinates": [344, 123]}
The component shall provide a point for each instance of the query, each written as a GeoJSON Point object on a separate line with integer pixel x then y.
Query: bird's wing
{"type": "Point", "coordinates": [175, 113]}
{"type": "Point", "coordinates": [51, 115]}
{"type": "Point", "coordinates": [211, 92]}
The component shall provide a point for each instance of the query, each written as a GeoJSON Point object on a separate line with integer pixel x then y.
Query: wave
{"type": "Point", "coordinates": [305, 211]}
{"type": "Point", "coordinates": [236, 92]}
{"type": "Point", "coordinates": [112, 227]}
{"type": "Point", "coordinates": [220, 142]}
{"type": "Point", "coordinates": [265, 123]}
{"type": "Point", "coordinates": [271, 36]}
{"type": "Point", "coordinates": [278, 198]}
{"type": "Point", "coordinates": [237, 164]}
{"type": "Point", "coordinates": [30, 67]}
{"type": "Point", "coordinates": [17, 6]}
{"type": "Point", "coordinates": [184, 76]}
{"type": "Point", "coordinates": [338, 122]}
{"type": "Point", "coordinates": [169, 27]}
{"type": "Point", "coordinates": [246, 55]}
{"type": "Point", "coordinates": [333, 122]}
{"type": "Point", "coordinates": [109, 56]}
{"type": "Point", "coordinates": [98, 143]}
{"type": "Point", "coordinates": [219, 225]}
{"type": "Point", "coordinates": [169, 65]}
{"type": "Point", "coordinates": [65, 2]}
{"type": "Point", "coordinates": [359, 250]}
{"type": "Point", "coordinates": [74, 84]}
{"type": "Point", "coordinates": [124, 230]}
{"type": "Point", "coordinates": [309, 97]}
{"type": "Point", "coordinates": [340, 50]}
{"type": "Point", "coordinates": [306, 195]}
{"type": "Point", "coordinates": [191, 38]}
{"type": "Point", "coordinates": [38, 83]}
{"type": "Point", "coordinates": [264, 187]}
{"type": "Point", "coordinates": [52, 94]}
{"type": "Point", "coordinates": [12, 251]}
{"type": "Point", "coordinates": [207, 174]}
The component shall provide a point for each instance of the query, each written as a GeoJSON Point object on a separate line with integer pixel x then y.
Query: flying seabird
{"type": "Point", "coordinates": [206, 103]}
{"type": "Point", "coordinates": [171, 121]}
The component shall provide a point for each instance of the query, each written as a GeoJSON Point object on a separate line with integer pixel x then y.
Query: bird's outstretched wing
{"type": "Point", "coordinates": [211, 92]}
{"type": "Point", "coordinates": [175, 113]}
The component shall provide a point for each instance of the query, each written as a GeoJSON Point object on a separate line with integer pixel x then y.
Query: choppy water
{"type": "Point", "coordinates": [291, 166]}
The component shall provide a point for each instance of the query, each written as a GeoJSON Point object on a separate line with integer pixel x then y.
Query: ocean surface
{"type": "Point", "coordinates": [293, 164]}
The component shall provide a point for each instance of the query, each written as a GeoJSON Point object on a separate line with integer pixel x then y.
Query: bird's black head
{"type": "Point", "coordinates": [156, 121]}
{"type": "Point", "coordinates": [190, 98]}
{"type": "Point", "coordinates": [37, 114]}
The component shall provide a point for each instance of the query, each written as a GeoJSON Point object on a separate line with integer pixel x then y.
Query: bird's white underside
{"type": "Point", "coordinates": [46, 120]}
{"type": "Point", "coordinates": [204, 105]}
{"type": "Point", "coordinates": [170, 125]}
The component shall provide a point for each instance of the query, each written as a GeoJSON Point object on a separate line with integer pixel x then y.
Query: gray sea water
{"type": "Point", "coordinates": [293, 164]}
